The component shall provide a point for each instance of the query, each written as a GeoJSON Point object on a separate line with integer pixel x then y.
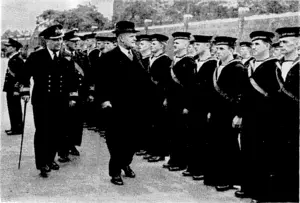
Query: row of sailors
{"type": "Point", "coordinates": [198, 106]}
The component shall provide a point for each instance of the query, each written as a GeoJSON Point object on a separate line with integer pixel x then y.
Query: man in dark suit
{"type": "Point", "coordinates": [229, 80]}
{"type": "Point", "coordinates": [12, 86]}
{"type": "Point", "coordinates": [122, 87]}
{"type": "Point", "coordinates": [52, 91]}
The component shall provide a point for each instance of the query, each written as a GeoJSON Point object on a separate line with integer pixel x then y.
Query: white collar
{"type": "Point", "coordinates": [52, 53]}
{"type": "Point", "coordinates": [125, 51]}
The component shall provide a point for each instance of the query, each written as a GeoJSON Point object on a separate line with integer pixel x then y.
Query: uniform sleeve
{"type": "Point", "coordinates": [189, 82]}
{"type": "Point", "coordinates": [103, 83]}
{"type": "Point", "coordinates": [241, 82]}
{"type": "Point", "coordinates": [72, 80]}
{"type": "Point", "coordinates": [26, 73]}
{"type": "Point", "coordinates": [19, 66]}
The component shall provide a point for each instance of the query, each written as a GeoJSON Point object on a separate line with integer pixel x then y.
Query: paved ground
{"type": "Point", "coordinates": [85, 178]}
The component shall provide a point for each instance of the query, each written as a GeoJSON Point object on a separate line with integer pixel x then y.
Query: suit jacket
{"type": "Point", "coordinates": [53, 80]}
{"type": "Point", "coordinates": [124, 83]}
{"type": "Point", "coordinates": [12, 76]}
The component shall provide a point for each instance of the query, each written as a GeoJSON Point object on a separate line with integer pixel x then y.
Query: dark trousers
{"type": "Point", "coordinates": [14, 110]}
{"type": "Point", "coordinates": [224, 153]}
{"type": "Point", "coordinates": [50, 135]}
{"type": "Point", "coordinates": [121, 135]}
{"type": "Point", "coordinates": [197, 148]}
{"type": "Point", "coordinates": [75, 124]}
{"type": "Point", "coordinates": [178, 132]}
{"type": "Point", "coordinates": [90, 114]}
{"type": "Point", "coordinates": [158, 141]}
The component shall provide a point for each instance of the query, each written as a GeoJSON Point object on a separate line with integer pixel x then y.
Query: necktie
{"type": "Point", "coordinates": [130, 56]}
{"type": "Point", "coordinates": [55, 58]}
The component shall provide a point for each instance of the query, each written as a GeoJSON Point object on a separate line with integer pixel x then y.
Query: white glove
{"type": "Point", "coordinates": [106, 104]}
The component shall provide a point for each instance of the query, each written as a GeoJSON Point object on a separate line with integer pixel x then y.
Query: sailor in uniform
{"type": "Point", "coordinates": [12, 86]}
{"type": "Point", "coordinates": [287, 184]}
{"type": "Point", "coordinates": [206, 65]}
{"type": "Point", "coordinates": [260, 133]}
{"type": "Point", "coordinates": [229, 79]}
{"type": "Point", "coordinates": [159, 70]}
{"type": "Point", "coordinates": [179, 101]}
{"type": "Point", "coordinates": [245, 51]}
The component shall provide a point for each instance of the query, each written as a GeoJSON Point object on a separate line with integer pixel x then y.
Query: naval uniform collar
{"type": "Point", "coordinates": [153, 56]}
{"type": "Point", "coordinates": [179, 57]}
{"type": "Point", "coordinates": [229, 62]}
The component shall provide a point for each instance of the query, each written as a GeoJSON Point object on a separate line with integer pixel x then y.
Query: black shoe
{"type": "Point", "coordinates": [156, 158]}
{"type": "Point", "coordinates": [166, 166]}
{"type": "Point", "coordinates": [117, 180]}
{"type": "Point", "coordinates": [74, 151]}
{"type": "Point", "coordinates": [129, 172]}
{"type": "Point", "coordinates": [6, 131]}
{"type": "Point", "coordinates": [141, 152]}
{"type": "Point", "coordinates": [147, 156]}
{"type": "Point", "coordinates": [54, 166]}
{"type": "Point", "coordinates": [187, 173]}
{"type": "Point", "coordinates": [222, 188]}
{"type": "Point", "coordinates": [64, 159]}
{"type": "Point", "coordinates": [198, 177]}
{"type": "Point", "coordinates": [13, 132]}
{"type": "Point", "coordinates": [176, 168]}
{"type": "Point", "coordinates": [241, 194]}
{"type": "Point", "coordinates": [44, 171]}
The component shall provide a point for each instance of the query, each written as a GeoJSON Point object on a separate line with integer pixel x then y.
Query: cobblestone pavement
{"type": "Point", "coordinates": [85, 178]}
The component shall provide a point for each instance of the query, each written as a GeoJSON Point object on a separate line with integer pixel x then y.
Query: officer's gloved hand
{"type": "Point", "coordinates": [165, 103]}
{"type": "Point", "coordinates": [185, 111]}
{"type": "Point", "coordinates": [26, 98]}
{"type": "Point", "coordinates": [72, 103]}
{"type": "Point", "coordinates": [16, 93]}
{"type": "Point", "coordinates": [237, 122]}
{"type": "Point", "coordinates": [208, 117]}
{"type": "Point", "coordinates": [106, 104]}
{"type": "Point", "coordinates": [90, 99]}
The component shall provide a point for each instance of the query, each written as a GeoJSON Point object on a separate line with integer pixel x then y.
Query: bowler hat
{"type": "Point", "coordinates": [124, 27]}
